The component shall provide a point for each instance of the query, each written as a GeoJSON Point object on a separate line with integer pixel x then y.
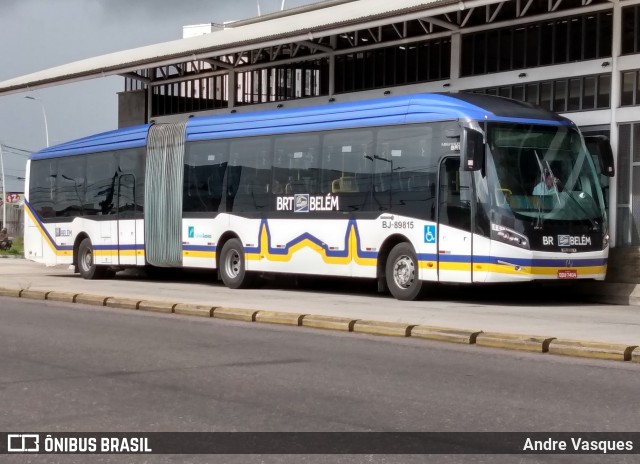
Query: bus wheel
{"type": "Point", "coordinates": [86, 262]}
{"type": "Point", "coordinates": [232, 265]}
{"type": "Point", "coordinates": [402, 273]}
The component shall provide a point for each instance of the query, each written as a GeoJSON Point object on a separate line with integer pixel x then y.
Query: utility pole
{"type": "Point", "coordinates": [259, 14]}
{"type": "Point", "coordinates": [4, 192]}
{"type": "Point", "coordinates": [44, 115]}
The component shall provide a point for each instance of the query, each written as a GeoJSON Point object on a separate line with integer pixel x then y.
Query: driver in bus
{"type": "Point", "coordinates": [548, 186]}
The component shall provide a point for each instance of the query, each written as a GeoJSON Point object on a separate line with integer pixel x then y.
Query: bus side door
{"type": "Point", "coordinates": [126, 220]}
{"type": "Point", "coordinates": [454, 222]}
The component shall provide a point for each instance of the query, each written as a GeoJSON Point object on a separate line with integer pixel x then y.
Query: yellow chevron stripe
{"type": "Point", "coordinates": [306, 243]}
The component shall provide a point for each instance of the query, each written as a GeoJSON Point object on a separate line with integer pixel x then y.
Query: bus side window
{"type": "Point", "coordinates": [205, 166]}
{"type": "Point", "coordinates": [347, 167]}
{"type": "Point", "coordinates": [42, 187]}
{"type": "Point", "coordinates": [295, 164]}
{"type": "Point", "coordinates": [70, 186]}
{"type": "Point", "coordinates": [102, 179]}
{"type": "Point", "coordinates": [405, 163]}
{"type": "Point", "coordinates": [455, 206]}
{"type": "Point", "coordinates": [248, 175]}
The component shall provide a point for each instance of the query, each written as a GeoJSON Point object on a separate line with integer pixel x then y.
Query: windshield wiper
{"type": "Point", "coordinates": [594, 224]}
{"type": "Point", "coordinates": [540, 220]}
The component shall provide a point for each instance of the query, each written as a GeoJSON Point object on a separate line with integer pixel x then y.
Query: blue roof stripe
{"type": "Point", "coordinates": [364, 113]}
{"type": "Point", "coordinates": [390, 110]}
{"type": "Point", "coordinates": [130, 137]}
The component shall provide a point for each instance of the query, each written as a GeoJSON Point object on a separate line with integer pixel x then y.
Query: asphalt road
{"type": "Point", "coordinates": [520, 309]}
{"type": "Point", "coordinates": [82, 368]}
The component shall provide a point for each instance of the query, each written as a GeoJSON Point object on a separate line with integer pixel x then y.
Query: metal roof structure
{"type": "Point", "coordinates": [305, 26]}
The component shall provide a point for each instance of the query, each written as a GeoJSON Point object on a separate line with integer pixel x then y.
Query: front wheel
{"type": "Point", "coordinates": [402, 274]}
{"type": "Point", "coordinates": [232, 265]}
{"type": "Point", "coordinates": [86, 262]}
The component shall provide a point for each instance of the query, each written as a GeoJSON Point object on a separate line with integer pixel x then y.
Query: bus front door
{"type": "Point", "coordinates": [454, 222]}
{"type": "Point", "coordinates": [127, 220]}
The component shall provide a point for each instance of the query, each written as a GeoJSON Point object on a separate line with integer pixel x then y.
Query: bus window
{"type": "Point", "coordinates": [406, 166]}
{"type": "Point", "coordinates": [347, 167]}
{"type": "Point", "coordinates": [42, 186]}
{"type": "Point", "coordinates": [454, 195]}
{"type": "Point", "coordinates": [70, 186]}
{"type": "Point", "coordinates": [132, 161]}
{"type": "Point", "coordinates": [102, 177]}
{"type": "Point", "coordinates": [249, 175]}
{"type": "Point", "coordinates": [295, 164]}
{"type": "Point", "coordinates": [204, 170]}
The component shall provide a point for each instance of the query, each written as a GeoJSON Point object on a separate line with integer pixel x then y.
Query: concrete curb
{"type": "Point", "coordinates": [539, 344]}
{"type": "Point", "coordinates": [275, 317]}
{"type": "Point", "coordinates": [329, 322]}
{"type": "Point", "coordinates": [62, 296]}
{"type": "Point", "coordinates": [614, 352]}
{"type": "Point", "coordinates": [443, 334]}
{"type": "Point", "coordinates": [156, 306]}
{"type": "Point", "coordinates": [87, 298]}
{"type": "Point", "coordinates": [34, 294]}
{"type": "Point", "coordinates": [235, 314]}
{"type": "Point", "coordinates": [194, 310]}
{"type": "Point", "coordinates": [122, 303]}
{"type": "Point", "coordinates": [394, 329]}
{"type": "Point", "coordinates": [10, 292]}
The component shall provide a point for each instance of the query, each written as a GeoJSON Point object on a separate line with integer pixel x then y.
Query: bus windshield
{"type": "Point", "coordinates": [543, 173]}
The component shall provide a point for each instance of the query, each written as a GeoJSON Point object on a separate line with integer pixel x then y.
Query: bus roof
{"type": "Point", "coordinates": [384, 111]}
{"type": "Point", "coordinates": [129, 137]}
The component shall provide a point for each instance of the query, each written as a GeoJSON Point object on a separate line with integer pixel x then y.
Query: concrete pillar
{"type": "Point", "coordinates": [615, 103]}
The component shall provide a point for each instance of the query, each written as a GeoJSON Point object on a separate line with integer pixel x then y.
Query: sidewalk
{"type": "Point", "coordinates": [523, 310]}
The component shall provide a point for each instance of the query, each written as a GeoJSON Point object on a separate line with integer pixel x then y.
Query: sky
{"type": "Point", "coordinates": [40, 34]}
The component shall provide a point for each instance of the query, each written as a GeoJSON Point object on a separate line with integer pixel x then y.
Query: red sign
{"type": "Point", "coordinates": [567, 274]}
{"type": "Point", "coordinates": [13, 197]}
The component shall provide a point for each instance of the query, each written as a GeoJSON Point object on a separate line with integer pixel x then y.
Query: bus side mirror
{"type": "Point", "coordinates": [599, 145]}
{"type": "Point", "coordinates": [472, 149]}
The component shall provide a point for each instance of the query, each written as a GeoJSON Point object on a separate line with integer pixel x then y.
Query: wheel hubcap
{"type": "Point", "coordinates": [404, 272]}
{"type": "Point", "coordinates": [87, 260]}
{"type": "Point", "coordinates": [232, 264]}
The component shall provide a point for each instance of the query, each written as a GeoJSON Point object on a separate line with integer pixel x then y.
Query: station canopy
{"type": "Point", "coordinates": [307, 28]}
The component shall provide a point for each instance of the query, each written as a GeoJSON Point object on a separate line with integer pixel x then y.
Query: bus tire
{"type": "Point", "coordinates": [232, 265]}
{"type": "Point", "coordinates": [402, 273]}
{"type": "Point", "coordinates": [86, 262]}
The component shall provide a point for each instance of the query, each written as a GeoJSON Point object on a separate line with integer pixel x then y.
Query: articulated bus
{"type": "Point", "coordinates": [406, 190]}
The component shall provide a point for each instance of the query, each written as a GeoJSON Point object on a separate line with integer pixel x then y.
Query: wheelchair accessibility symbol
{"type": "Point", "coordinates": [429, 234]}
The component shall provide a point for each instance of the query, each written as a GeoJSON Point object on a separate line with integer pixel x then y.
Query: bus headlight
{"type": "Point", "coordinates": [605, 239]}
{"type": "Point", "coordinates": [510, 236]}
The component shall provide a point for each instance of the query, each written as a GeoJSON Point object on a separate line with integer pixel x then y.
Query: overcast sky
{"type": "Point", "coordinates": [40, 34]}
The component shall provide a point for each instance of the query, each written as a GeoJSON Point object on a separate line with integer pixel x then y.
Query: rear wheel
{"type": "Point", "coordinates": [402, 274]}
{"type": "Point", "coordinates": [232, 265]}
{"type": "Point", "coordinates": [87, 265]}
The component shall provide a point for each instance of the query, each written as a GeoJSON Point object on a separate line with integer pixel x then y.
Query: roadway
{"type": "Point", "coordinates": [519, 309]}
{"type": "Point", "coordinates": [71, 367]}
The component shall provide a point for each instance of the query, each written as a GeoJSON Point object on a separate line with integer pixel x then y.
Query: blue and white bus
{"type": "Point", "coordinates": [406, 190]}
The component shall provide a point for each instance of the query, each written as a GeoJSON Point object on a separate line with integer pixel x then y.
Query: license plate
{"type": "Point", "coordinates": [567, 274]}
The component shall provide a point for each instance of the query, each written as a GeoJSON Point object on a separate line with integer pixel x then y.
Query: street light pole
{"type": "Point", "coordinates": [4, 192]}
{"type": "Point", "coordinates": [44, 115]}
